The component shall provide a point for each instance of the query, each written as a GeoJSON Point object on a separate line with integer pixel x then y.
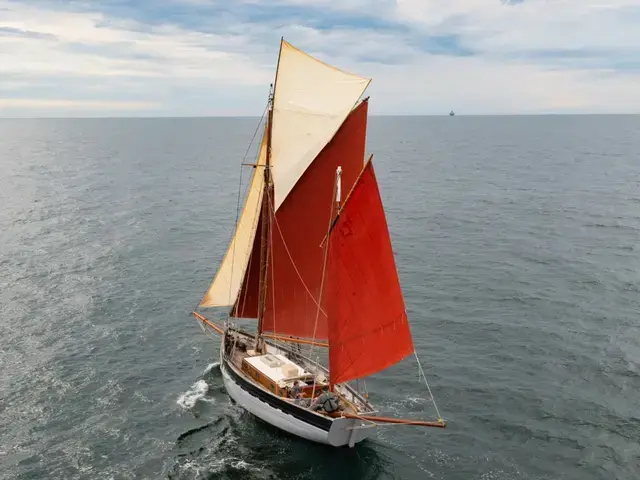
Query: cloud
{"type": "Point", "coordinates": [217, 57]}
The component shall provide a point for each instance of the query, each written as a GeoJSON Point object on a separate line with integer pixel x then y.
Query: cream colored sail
{"type": "Point", "coordinates": [311, 101]}
{"type": "Point", "coordinates": [228, 280]}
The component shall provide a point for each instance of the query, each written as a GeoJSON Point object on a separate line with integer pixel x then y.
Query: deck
{"type": "Point", "coordinates": [275, 380]}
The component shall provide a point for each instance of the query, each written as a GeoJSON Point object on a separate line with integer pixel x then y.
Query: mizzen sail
{"type": "Point", "coordinates": [367, 320]}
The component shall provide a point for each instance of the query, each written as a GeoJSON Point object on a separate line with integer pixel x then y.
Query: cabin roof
{"type": "Point", "coordinates": [271, 365]}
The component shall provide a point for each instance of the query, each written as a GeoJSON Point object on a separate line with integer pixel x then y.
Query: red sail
{"type": "Point", "coordinates": [368, 326]}
{"type": "Point", "coordinates": [302, 223]}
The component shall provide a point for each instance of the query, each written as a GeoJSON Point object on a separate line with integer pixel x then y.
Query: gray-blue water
{"type": "Point", "coordinates": [518, 245]}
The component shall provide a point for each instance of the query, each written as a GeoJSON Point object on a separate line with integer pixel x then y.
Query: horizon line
{"type": "Point", "coordinates": [98, 117]}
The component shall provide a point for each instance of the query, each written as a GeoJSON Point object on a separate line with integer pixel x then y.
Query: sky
{"type": "Point", "coordinates": [218, 57]}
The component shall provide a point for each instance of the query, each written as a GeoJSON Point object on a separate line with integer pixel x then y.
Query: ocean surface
{"type": "Point", "coordinates": [518, 245]}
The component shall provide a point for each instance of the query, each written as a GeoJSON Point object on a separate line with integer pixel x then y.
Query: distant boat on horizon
{"type": "Point", "coordinates": [452, 113]}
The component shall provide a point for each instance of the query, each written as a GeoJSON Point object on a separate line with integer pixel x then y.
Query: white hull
{"type": "Point", "coordinates": [340, 433]}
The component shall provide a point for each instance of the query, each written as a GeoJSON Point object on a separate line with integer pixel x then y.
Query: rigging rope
{"type": "Point", "coordinates": [421, 372]}
{"type": "Point", "coordinates": [284, 243]}
{"type": "Point", "coordinates": [324, 267]}
{"type": "Point", "coordinates": [273, 271]}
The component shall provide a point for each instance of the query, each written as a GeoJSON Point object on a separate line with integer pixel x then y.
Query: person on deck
{"type": "Point", "coordinates": [296, 392]}
{"type": "Point", "coordinates": [326, 401]}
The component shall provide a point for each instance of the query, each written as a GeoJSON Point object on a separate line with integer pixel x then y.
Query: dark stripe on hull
{"type": "Point", "coordinates": [292, 409]}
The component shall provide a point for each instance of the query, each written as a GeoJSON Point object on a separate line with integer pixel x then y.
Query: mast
{"type": "Point", "coordinates": [267, 207]}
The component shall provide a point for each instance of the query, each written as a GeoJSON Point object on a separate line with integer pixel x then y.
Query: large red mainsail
{"type": "Point", "coordinates": [368, 326]}
{"type": "Point", "coordinates": [301, 225]}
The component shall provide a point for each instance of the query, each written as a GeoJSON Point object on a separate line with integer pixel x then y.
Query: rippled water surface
{"type": "Point", "coordinates": [518, 245]}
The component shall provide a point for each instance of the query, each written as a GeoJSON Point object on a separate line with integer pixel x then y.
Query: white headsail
{"type": "Point", "coordinates": [311, 101]}
{"type": "Point", "coordinates": [227, 282]}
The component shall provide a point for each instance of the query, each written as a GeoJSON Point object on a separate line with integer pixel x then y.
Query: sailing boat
{"type": "Point", "coordinates": [315, 269]}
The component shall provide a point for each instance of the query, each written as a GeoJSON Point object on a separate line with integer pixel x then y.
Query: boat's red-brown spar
{"type": "Point", "coordinates": [402, 421]}
{"type": "Point", "coordinates": [284, 338]}
{"type": "Point", "coordinates": [209, 323]}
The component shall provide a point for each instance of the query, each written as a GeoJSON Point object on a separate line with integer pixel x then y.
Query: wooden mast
{"type": "Point", "coordinates": [266, 229]}
{"type": "Point", "coordinates": [267, 208]}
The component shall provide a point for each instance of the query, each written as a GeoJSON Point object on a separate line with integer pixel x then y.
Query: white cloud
{"type": "Point", "coordinates": [119, 49]}
{"type": "Point", "coordinates": [536, 56]}
{"type": "Point", "coordinates": [493, 27]}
